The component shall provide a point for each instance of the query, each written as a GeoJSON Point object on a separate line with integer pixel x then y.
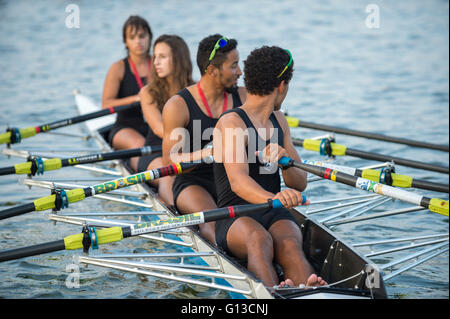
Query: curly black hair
{"type": "Point", "coordinates": [263, 67]}
{"type": "Point", "coordinates": [205, 48]}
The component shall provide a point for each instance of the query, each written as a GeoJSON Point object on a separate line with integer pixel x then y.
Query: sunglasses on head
{"type": "Point", "coordinates": [287, 65]}
{"type": "Point", "coordinates": [222, 42]}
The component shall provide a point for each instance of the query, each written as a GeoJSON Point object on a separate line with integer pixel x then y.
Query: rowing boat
{"type": "Point", "coordinates": [349, 274]}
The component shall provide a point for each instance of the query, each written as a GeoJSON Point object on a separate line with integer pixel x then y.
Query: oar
{"type": "Point", "coordinates": [39, 166]}
{"type": "Point", "coordinates": [294, 122]}
{"type": "Point", "coordinates": [15, 135]}
{"type": "Point", "coordinates": [62, 198]}
{"type": "Point", "coordinates": [341, 150]}
{"type": "Point", "coordinates": [90, 237]}
{"type": "Point", "coordinates": [396, 180]}
{"type": "Point", "coordinates": [435, 205]}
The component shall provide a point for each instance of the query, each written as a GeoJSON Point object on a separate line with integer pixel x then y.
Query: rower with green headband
{"type": "Point", "coordinates": [194, 112]}
{"type": "Point", "coordinates": [271, 236]}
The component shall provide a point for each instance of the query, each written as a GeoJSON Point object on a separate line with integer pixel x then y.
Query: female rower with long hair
{"type": "Point", "coordinates": [171, 72]}
{"type": "Point", "coordinates": [122, 84]}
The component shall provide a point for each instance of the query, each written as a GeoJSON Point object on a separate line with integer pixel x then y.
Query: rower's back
{"type": "Point", "coordinates": [267, 177]}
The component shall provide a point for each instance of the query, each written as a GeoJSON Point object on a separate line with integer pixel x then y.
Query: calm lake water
{"type": "Point", "coordinates": [390, 78]}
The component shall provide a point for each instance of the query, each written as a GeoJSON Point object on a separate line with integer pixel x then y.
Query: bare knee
{"type": "Point", "coordinates": [289, 245]}
{"type": "Point", "coordinates": [260, 241]}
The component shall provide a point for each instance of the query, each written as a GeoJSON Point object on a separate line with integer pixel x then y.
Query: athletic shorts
{"type": "Point", "coordinates": [266, 219]}
{"type": "Point", "coordinates": [193, 178]}
{"type": "Point", "coordinates": [142, 128]}
{"type": "Point", "coordinates": [144, 161]}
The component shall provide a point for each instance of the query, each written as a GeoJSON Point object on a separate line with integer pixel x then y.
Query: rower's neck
{"type": "Point", "coordinates": [259, 108]}
{"type": "Point", "coordinates": [172, 85]}
{"type": "Point", "coordinates": [212, 91]}
{"type": "Point", "coordinates": [139, 59]}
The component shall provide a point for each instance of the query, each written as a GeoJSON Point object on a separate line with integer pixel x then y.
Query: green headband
{"type": "Point", "coordinates": [287, 65]}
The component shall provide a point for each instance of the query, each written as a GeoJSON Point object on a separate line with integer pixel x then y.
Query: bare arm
{"type": "Point", "coordinates": [235, 161]}
{"type": "Point", "coordinates": [175, 118]}
{"type": "Point", "coordinates": [293, 177]}
{"type": "Point", "coordinates": [151, 112]}
{"type": "Point", "coordinates": [112, 85]}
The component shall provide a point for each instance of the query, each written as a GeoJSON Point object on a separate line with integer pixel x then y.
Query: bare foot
{"type": "Point", "coordinates": [314, 281]}
{"type": "Point", "coordinates": [286, 283]}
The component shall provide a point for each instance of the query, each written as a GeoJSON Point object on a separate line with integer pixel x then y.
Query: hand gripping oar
{"type": "Point", "coordinates": [333, 149]}
{"type": "Point", "coordinates": [90, 237]}
{"type": "Point", "coordinates": [385, 177]}
{"type": "Point", "coordinates": [39, 166]}
{"type": "Point", "coordinates": [435, 205]}
{"type": "Point", "coordinates": [62, 198]}
{"type": "Point", "coordinates": [294, 122]}
{"type": "Point", "coordinates": [15, 135]}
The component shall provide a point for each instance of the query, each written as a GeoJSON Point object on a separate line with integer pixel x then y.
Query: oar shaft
{"type": "Point", "coordinates": [341, 150]}
{"type": "Point", "coordinates": [78, 194]}
{"type": "Point", "coordinates": [433, 204]}
{"type": "Point", "coordinates": [16, 211]}
{"type": "Point", "coordinates": [376, 136]}
{"type": "Point", "coordinates": [397, 160]}
{"type": "Point", "coordinates": [100, 157]}
{"type": "Point", "coordinates": [33, 130]}
{"type": "Point", "coordinates": [432, 186]}
{"type": "Point", "coordinates": [39, 249]}
{"type": "Point", "coordinates": [83, 118]}
{"type": "Point", "coordinates": [56, 163]}
{"type": "Point", "coordinates": [398, 180]}
{"type": "Point", "coordinates": [113, 234]}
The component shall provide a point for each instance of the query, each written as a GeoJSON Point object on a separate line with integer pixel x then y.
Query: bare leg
{"type": "Point", "coordinates": [289, 254]}
{"type": "Point", "coordinates": [128, 138]}
{"type": "Point", "coordinates": [196, 199]}
{"type": "Point", "coordinates": [164, 184]}
{"type": "Point", "coordinates": [247, 239]}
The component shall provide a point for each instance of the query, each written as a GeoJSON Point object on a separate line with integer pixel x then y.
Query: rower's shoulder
{"type": "Point", "coordinates": [230, 119]}
{"type": "Point", "coordinates": [117, 69]}
{"type": "Point", "coordinates": [176, 110]}
{"type": "Point", "coordinates": [281, 118]}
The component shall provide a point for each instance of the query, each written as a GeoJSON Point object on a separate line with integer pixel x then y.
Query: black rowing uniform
{"type": "Point", "coordinates": [150, 140]}
{"type": "Point", "coordinates": [202, 175]}
{"type": "Point", "coordinates": [269, 180]}
{"type": "Point", "coordinates": [131, 118]}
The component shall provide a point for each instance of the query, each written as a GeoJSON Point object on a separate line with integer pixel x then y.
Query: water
{"type": "Point", "coordinates": [393, 80]}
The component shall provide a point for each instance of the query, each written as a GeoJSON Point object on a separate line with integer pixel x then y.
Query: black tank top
{"type": "Point", "coordinates": [201, 126]}
{"type": "Point", "coordinates": [270, 180]}
{"type": "Point", "coordinates": [129, 87]}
